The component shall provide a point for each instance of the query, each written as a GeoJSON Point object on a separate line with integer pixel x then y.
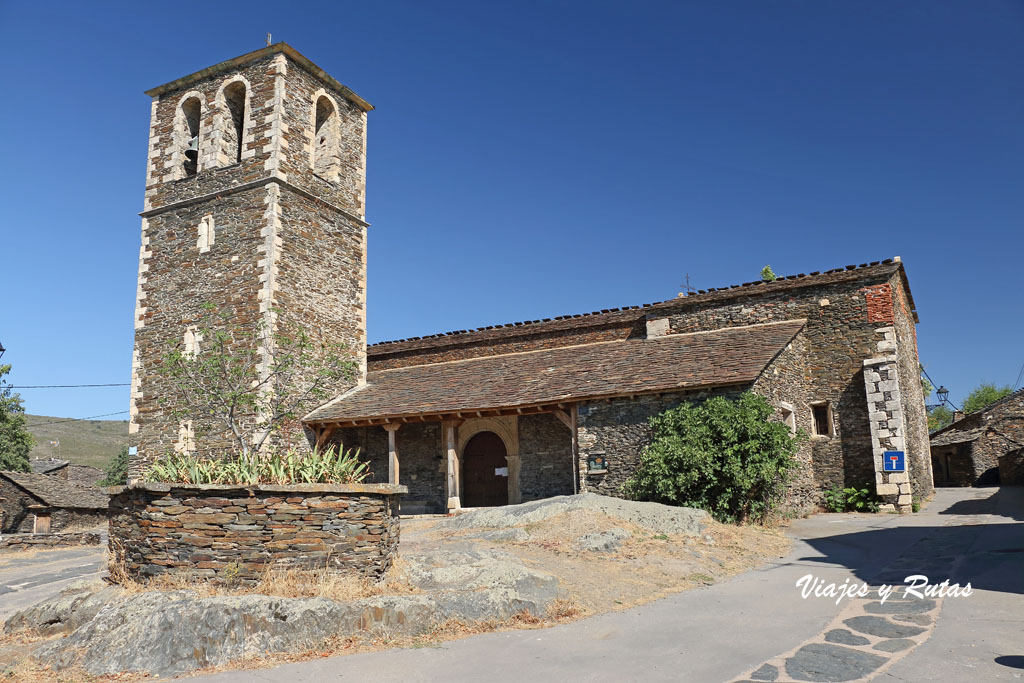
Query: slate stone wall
{"type": "Point", "coordinates": [1000, 430]}
{"type": "Point", "coordinates": [785, 384]}
{"type": "Point", "coordinates": [34, 541]}
{"type": "Point", "coordinates": [226, 534]}
{"type": "Point", "coordinates": [844, 322]}
{"type": "Point", "coordinates": [420, 455]}
{"type": "Point", "coordinates": [618, 430]}
{"type": "Point", "coordinates": [546, 459]}
{"type": "Point", "coordinates": [498, 341]}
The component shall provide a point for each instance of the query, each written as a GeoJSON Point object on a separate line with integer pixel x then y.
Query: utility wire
{"type": "Point", "coordinates": [74, 419]}
{"type": "Point", "coordinates": [1019, 375]}
{"type": "Point", "coordinates": [934, 385]}
{"type": "Point", "coordinates": [59, 386]}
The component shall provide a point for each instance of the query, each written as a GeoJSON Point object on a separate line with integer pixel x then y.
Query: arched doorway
{"type": "Point", "coordinates": [484, 471]}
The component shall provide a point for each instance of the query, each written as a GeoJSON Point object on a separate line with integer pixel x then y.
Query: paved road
{"type": "Point", "coordinates": [30, 578]}
{"type": "Point", "coordinates": [722, 632]}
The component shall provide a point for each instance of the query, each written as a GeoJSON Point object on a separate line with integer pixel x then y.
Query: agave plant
{"type": "Point", "coordinates": [271, 466]}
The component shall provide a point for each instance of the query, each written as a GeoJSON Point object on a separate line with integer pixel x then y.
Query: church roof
{"type": "Point", "coordinates": [729, 356]}
{"type": "Point", "coordinates": [58, 492]}
{"type": "Point", "coordinates": [625, 314]}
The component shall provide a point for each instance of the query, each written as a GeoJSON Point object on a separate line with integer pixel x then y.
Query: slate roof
{"type": "Point", "coordinates": [729, 356]}
{"type": "Point", "coordinates": [47, 465]}
{"type": "Point", "coordinates": [955, 432]}
{"type": "Point", "coordinates": [57, 492]}
{"type": "Point", "coordinates": [631, 313]}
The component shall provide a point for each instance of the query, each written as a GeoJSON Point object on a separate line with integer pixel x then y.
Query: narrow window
{"type": "Point", "coordinates": [234, 126]}
{"type": "Point", "coordinates": [789, 418]}
{"type": "Point", "coordinates": [325, 142]}
{"type": "Point", "coordinates": [191, 111]}
{"type": "Point", "coordinates": [206, 234]}
{"type": "Point", "coordinates": [822, 415]}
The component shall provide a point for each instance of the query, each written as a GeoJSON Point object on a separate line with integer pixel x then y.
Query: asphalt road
{"type": "Point", "coordinates": [720, 632]}
{"type": "Point", "coordinates": [30, 578]}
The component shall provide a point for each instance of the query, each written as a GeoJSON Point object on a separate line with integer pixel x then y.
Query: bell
{"type": "Point", "coordinates": [192, 152]}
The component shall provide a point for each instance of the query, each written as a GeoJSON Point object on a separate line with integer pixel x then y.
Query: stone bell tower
{"type": "Point", "coordinates": [255, 203]}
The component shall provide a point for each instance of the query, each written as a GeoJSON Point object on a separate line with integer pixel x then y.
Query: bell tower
{"type": "Point", "coordinates": [255, 203]}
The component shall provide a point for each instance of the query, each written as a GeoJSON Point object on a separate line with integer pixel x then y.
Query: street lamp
{"type": "Point", "coordinates": [943, 394]}
{"type": "Point", "coordinates": [2, 349]}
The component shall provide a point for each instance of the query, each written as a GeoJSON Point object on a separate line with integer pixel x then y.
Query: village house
{"type": "Point", "coordinates": [67, 470]}
{"type": "Point", "coordinates": [255, 201]}
{"type": "Point", "coordinates": [984, 448]}
{"type": "Point", "coordinates": [39, 504]}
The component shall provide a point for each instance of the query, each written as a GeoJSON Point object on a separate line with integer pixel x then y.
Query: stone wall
{"type": "Point", "coordinates": [42, 541]}
{"type": "Point", "coordinates": [501, 340]}
{"type": "Point", "coordinates": [843, 322]}
{"type": "Point", "coordinates": [617, 429]}
{"type": "Point", "coordinates": [420, 456]}
{"type": "Point", "coordinates": [546, 459]}
{"type": "Point", "coordinates": [980, 439]}
{"type": "Point", "coordinates": [1011, 468]}
{"type": "Point", "coordinates": [228, 533]}
{"type": "Point", "coordinates": [19, 518]}
{"type": "Point", "coordinates": [888, 428]}
{"type": "Point", "coordinates": [785, 384]}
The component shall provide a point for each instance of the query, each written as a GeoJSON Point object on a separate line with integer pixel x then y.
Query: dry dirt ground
{"type": "Point", "coordinates": [646, 566]}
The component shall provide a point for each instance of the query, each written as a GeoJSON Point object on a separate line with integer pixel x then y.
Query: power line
{"type": "Point", "coordinates": [74, 419]}
{"type": "Point", "coordinates": [1019, 375]}
{"type": "Point", "coordinates": [936, 385]}
{"type": "Point", "coordinates": [60, 386]}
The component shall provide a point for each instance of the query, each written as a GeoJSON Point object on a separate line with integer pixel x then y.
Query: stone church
{"type": "Point", "coordinates": [255, 201]}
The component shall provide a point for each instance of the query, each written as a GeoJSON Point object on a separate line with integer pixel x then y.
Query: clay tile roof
{"type": "Point", "coordinates": [629, 313]}
{"type": "Point", "coordinates": [57, 492]}
{"type": "Point", "coordinates": [729, 356]}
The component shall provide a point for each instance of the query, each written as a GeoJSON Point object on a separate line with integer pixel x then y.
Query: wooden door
{"type": "Point", "coordinates": [484, 471]}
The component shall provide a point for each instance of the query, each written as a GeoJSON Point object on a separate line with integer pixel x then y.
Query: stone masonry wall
{"type": "Point", "coordinates": [231, 534]}
{"type": "Point", "coordinates": [35, 541]}
{"type": "Point", "coordinates": [420, 460]}
{"type": "Point", "coordinates": [486, 343]}
{"type": "Point", "coordinates": [785, 384]}
{"type": "Point", "coordinates": [841, 332]}
{"type": "Point", "coordinates": [618, 430]}
{"type": "Point", "coordinates": [545, 451]}
{"type": "Point", "coordinates": [14, 504]}
{"type": "Point", "coordinates": [912, 397]}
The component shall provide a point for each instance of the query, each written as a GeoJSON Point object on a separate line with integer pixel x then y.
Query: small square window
{"type": "Point", "coordinates": [822, 417]}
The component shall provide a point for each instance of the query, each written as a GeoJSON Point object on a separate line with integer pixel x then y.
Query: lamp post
{"type": "Point", "coordinates": [2, 349]}
{"type": "Point", "coordinates": [943, 394]}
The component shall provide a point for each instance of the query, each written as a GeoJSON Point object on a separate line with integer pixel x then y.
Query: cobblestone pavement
{"type": "Point", "coordinates": [755, 626]}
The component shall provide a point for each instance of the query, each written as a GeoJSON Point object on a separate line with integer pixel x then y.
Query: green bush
{"type": "Point", "coordinates": [724, 456]}
{"type": "Point", "coordinates": [330, 466]}
{"type": "Point", "coordinates": [851, 499]}
{"type": "Point", "coordinates": [117, 469]}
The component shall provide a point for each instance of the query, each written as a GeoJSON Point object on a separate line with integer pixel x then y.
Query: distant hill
{"type": "Point", "coordinates": [86, 442]}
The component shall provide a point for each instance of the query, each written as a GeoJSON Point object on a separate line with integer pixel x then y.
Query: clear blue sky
{"type": "Point", "coordinates": [528, 160]}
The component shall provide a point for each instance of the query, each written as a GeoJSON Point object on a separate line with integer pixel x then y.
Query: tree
{"type": "Point", "coordinates": [768, 275]}
{"type": "Point", "coordinates": [117, 469]}
{"type": "Point", "coordinates": [15, 440]}
{"type": "Point", "coordinates": [939, 417]}
{"type": "Point", "coordinates": [245, 383]}
{"type": "Point", "coordinates": [724, 456]}
{"type": "Point", "coordinates": [985, 394]}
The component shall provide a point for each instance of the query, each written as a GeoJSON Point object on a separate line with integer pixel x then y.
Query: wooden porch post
{"type": "Point", "coordinates": [451, 467]}
{"type": "Point", "coordinates": [392, 427]}
{"type": "Point", "coordinates": [574, 414]}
